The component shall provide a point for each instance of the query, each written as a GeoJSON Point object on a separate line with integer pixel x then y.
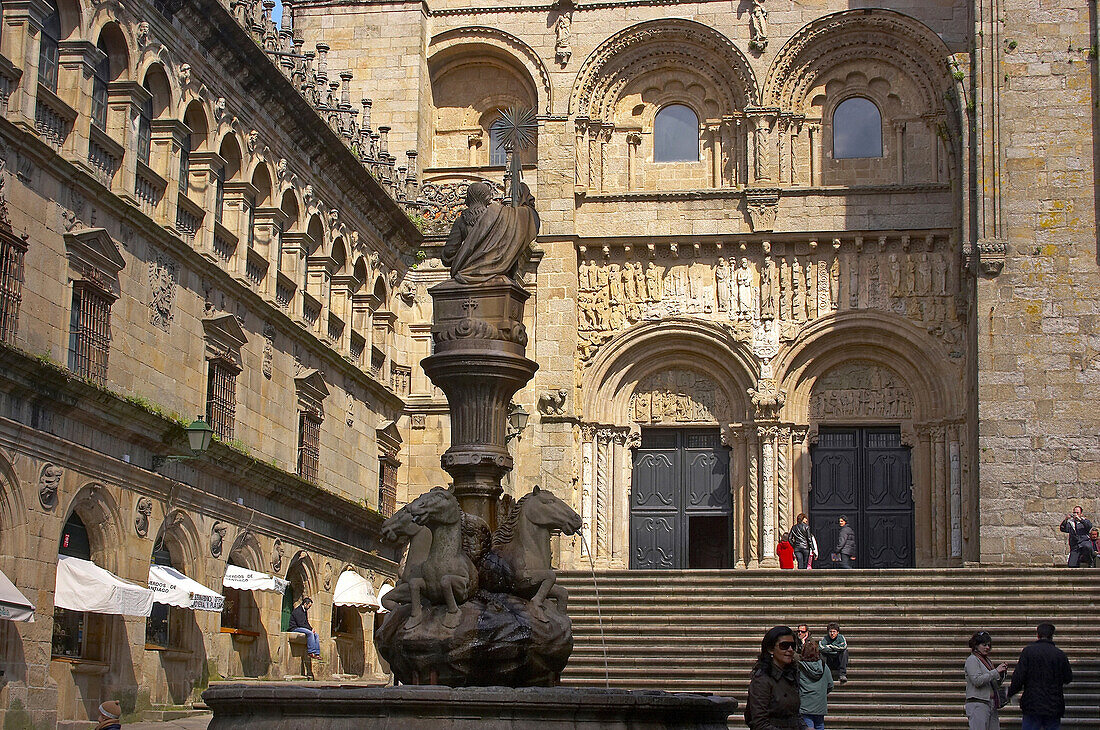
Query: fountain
{"type": "Point", "coordinates": [477, 629]}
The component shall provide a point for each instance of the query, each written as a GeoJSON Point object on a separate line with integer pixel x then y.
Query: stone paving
{"type": "Point", "coordinates": [199, 722]}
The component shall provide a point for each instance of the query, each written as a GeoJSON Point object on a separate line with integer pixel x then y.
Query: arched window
{"type": "Point", "coordinates": [70, 628]}
{"type": "Point", "coordinates": [49, 50]}
{"type": "Point", "coordinates": [101, 77]}
{"type": "Point", "coordinates": [676, 135]}
{"type": "Point", "coordinates": [498, 156]}
{"type": "Point", "coordinates": [857, 129]}
{"type": "Point", "coordinates": [195, 141]}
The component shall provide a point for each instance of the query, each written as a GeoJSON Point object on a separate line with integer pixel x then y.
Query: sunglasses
{"type": "Point", "coordinates": [786, 645]}
{"type": "Point", "coordinates": [803, 631]}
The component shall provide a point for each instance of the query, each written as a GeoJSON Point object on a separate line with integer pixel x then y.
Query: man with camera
{"type": "Point", "coordinates": [1081, 549]}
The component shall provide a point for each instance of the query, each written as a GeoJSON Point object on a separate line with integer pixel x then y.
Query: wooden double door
{"type": "Point", "coordinates": [680, 505]}
{"type": "Point", "coordinates": [865, 475]}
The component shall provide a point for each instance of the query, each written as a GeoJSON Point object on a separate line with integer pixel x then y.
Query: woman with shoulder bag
{"type": "Point", "coordinates": [984, 693]}
{"type": "Point", "coordinates": [802, 541]}
{"type": "Point", "coordinates": [773, 701]}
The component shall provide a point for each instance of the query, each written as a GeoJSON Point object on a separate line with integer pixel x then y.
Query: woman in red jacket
{"type": "Point", "coordinates": [785, 551]}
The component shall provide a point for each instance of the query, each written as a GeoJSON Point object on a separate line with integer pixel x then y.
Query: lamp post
{"type": "Point", "coordinates": [517, 421]}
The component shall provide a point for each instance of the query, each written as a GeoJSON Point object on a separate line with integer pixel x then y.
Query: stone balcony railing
{"type": "Point", "coordinates": [331, 97]}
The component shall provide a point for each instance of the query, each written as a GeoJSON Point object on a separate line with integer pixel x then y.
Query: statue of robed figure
{"type": "Point", "coordinates": [490, 239]}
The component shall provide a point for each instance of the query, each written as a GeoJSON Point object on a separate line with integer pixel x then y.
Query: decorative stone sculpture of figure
{"type": "Point", "coordinates": [758, 26]}
{"type": "Point", "coordinates": [615, 280]}
{"type": "Point", "coordinates": [563, 49]}
{"type": "Point", "coordinates": [653, 282]}
{"type": "Point", "coordinates": [767, 293]}
{"type": "Point", "coordinates": [584, 273]}
{"type": "Point", "coordinates": [489, 239]}
{"type": "Point", "coordinates": [744, 290]}
{"type": "Point", "coordinates": [722, 280]}
{"type": "Point", "coordinates": [798, 292]}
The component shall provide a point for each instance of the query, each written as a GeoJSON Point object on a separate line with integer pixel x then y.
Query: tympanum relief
{"type": "Point", "coordinates": [764, 293]}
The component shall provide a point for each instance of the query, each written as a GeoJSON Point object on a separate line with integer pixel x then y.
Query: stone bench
{"type": "Point", "coordinates": [292, 661]}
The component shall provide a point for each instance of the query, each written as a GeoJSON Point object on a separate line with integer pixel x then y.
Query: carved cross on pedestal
{"type": "Point", "coordinates": [519, 128]}
{"type": "Point", "coordinates": [469, 305]}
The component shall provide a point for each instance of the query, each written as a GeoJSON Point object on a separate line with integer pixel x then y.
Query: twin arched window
{"type": "Point", "coordinates": [676, 134]}
{"type": "Point", "coordinates": [857, 129]}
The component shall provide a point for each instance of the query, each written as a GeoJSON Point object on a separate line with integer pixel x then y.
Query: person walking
{"type": "Point", "coordinates": [802, 540]}
{"type": "Point", "coordinates": [773, 700]}
{"type": "Point", "coordinates": [1041, 673]}
{"type": "Point", "coordinates": [845, 550]}
{"type": "Point", "coordinates": [1080, 547]}
{"type": "Point", "coordinates": [984, 693]}
{"type": "Point", "coordinates": [834, 647]}
{"type": "Point", "coordinates": [815, 682]}
{"type": "Point", "coordinates": [785, 553]}
{"type": "Point", "coordinates": [299, 622]}
{"type": "Point", "coordinates": [109, 714]}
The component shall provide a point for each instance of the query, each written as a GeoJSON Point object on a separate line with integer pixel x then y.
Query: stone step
{"type": "Point", "coordinates": [700, 631]}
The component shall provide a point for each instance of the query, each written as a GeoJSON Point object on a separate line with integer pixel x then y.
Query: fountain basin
{"type": "Point", "coordinates": [335, 707]}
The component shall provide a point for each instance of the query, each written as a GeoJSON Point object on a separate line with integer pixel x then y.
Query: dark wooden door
{"type": "Point", "coordinates": [865, 475]}
{"type": "Point", "coordinates": [680, 500]}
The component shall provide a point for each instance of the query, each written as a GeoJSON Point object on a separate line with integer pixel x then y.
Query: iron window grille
{"type": "Point", "coordinates": [11, 285]}
{"type": "Point", "coordinates": [221, 399]}
{"type": "Point", "coordinates": [309, 445]}
{"type": "Point", "coordinates": [90, 332]}
{"type": "Point", "coordinates": [387, 486]}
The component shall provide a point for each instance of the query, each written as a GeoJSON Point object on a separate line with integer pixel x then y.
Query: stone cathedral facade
{"type": "Point", "coordinates": [794, 257]}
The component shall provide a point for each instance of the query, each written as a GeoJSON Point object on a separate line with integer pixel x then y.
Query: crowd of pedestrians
{"type": "Point", "coordinates": [794, 674]}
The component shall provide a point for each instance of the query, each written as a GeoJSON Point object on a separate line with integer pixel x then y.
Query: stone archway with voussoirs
{"type": "Point", "coordinates": [875, 369]}
{"type": "Point", "coordinates": [680, 372]}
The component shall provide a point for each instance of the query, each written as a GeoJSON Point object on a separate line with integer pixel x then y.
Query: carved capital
{"type": "Point", "coordinates": [762, 205]}
{"type": "Point", "coordinates": [992, 253]}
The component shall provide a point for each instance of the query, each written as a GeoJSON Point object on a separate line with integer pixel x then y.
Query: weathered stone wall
{"type": "Point", "coordinates": [1036, 319]}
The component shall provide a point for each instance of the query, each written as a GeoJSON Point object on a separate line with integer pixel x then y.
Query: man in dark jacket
{"type": "Point", "coordinates": [1080, 546]}
{"type": "Point", "coordinates": [845, 548]}
{"type": "Point", "coordinates": [299, 622]}
{"type": "Point", "coordinates": [1042, 672]}
{"type": "Point", "coordinates": [802, 541]}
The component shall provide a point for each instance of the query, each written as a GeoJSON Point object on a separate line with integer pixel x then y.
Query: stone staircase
{"type": "Point", "coordinates": [907, 631]}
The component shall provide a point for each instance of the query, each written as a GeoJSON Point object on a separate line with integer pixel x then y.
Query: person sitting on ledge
{"type": "Point", "coordinates": [299, 623]}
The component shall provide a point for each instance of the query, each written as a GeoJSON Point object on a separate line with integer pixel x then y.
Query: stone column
{"type": "Point", "coordinates": [604, 466]}
{"type": "Point", "coordinates": [633, 140]}
{"type": "Point", "coordinates": [767, 436]}
{"type": "Point", "coordinates": [587, 467]}
{"type": "Point", "coordinates": [783, 479]}
{"type": "Point", "coordinates": [939, 495]}
{"type": "Point", "coordinates": [716, 155]}
{"type": "Point", "coordinates": [954, 483]}
{"type": "Point", "coordinates": [733, 437]}
{"type": "Point", "coordinates": [580, 154]}
{"type": "Point", "coordinates": [813, 131]}
{"type": "Point", "coordinates": [899, 143]}
{"type": "Point", "coordinates": [752, 492]}
{"type": "Point", "coordinates": [479, 364]}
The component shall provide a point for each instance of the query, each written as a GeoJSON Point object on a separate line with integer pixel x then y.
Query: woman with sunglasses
{"type": "Point", "coordinates": [773, 702]}
{"type": "Point", "coordinates": [984, 695]}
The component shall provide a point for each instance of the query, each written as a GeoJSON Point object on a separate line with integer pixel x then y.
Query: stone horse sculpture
{"type": "Point", "coordinates": [521, 548]}
{"type": "Point", "coordinates": [448, 575]}
{"type": "Point", "coordinates": [401, 528]}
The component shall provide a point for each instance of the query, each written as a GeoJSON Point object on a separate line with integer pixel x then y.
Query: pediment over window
{"type": "Point", "coordinates": [224, 339]}
{"type": "Point", "coordinates": [312, 392]}
{"type": "Point", "coordinates": [95, 258]}
{"type": "Point", "coordinates": [389, 439]}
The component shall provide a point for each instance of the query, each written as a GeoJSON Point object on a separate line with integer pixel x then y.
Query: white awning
{"type": "Point", "coordinates": [84, 586]}
{"type": "Point", "coordinates": [382, 591]}
{"type": "Point", "coordinates": [353, 589]}
{"type": "Point", "coordinates": [173, 588]}
{"type": "Point", "coordinates": [14, 606]}
{"type": "Point", "coordinates": [250, 580]}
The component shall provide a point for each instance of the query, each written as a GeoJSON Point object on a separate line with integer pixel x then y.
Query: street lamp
{"type": "Point", "coordinates": [517, 421]}
{"type": "Point", "coordinates": [199, 435]}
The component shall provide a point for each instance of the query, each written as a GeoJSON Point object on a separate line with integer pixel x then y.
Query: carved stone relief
{"type": "Point", "coordinates": [49, 481]}
{"type": "Point", "coordinates": [766, 296]}
{"type": "Point", "coordinates": [277, 555]}
{"type": "Point", "coordinates": [144, 510]}
{"type": "Point", "coordinates": [860, 389]}
{"type": "Point", "coordinates": [677, 396]}
{"type": "Point", "coordinates": [217, 538]}
{"type": "Point", "coordinates": [162, 291]}
{"type": "Point", "coordinates": [269, 349]}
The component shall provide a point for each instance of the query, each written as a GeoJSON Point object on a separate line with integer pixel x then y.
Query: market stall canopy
{"type": "Point", "coordinates": [173, 588]}
{"type": "Point", "coordinates": [14, 606]}
{"type": "Point", "coordinates": [382, 591]}
{"type": "Point", "coordinates": [244, 579]}
{"type": "Point", "coordinates": [84, 586]}
{"type": "Point", "coordinates": [353, 589]}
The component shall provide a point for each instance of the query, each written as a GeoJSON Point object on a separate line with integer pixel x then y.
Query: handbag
{"type": "Point", "coordinates": [1001, 698]}
{"type": "Point", "coordinates": [835, 557]}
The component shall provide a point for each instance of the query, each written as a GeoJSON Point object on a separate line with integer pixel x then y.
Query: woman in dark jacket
{"type": "Point", "coordinates": [802, 541]}
{"type": "Point", "coordinates": [773, 690]}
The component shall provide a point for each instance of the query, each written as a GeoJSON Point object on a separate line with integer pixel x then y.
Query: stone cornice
{"type": "Point", "coordinates": [786, 192]}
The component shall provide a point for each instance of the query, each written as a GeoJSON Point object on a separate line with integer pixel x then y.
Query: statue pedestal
{"type": "Point", "coordinates": [479, 364]}
{"type": "Point", "coordinates": [280, 706]}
